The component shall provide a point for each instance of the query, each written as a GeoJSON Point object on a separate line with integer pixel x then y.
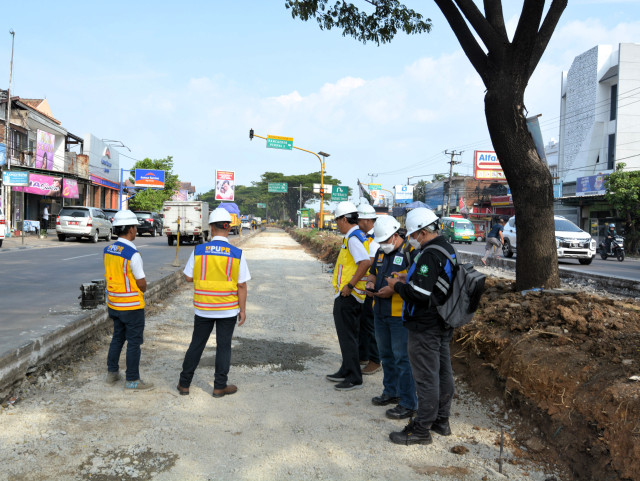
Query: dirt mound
{"type": "Point", "coordinates": [564, 359]}
{"type": "Point", "coordinates": [326, 245]}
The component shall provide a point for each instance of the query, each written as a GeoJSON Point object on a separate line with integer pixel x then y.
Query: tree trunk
{"type": "Point", "coordinates": [530, 182]}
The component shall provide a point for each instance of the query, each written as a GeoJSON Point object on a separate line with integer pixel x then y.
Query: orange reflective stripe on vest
{"type": "Point", "coordinates": [216, 270]}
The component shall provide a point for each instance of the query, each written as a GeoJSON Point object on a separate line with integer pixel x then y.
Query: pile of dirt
{"type": "Point", "coordinates": [325, 245]}
{"type": "Point", "coordinates": [565, 359]}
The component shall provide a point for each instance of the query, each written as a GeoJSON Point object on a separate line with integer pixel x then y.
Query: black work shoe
{"type": "Point", "coordinates": [384, 400]}
{"type": "Point", "coordinates": [441, 426]}
{"type": "Point", "coordinates": [347, 386]}
{"type": "Point", "coordinates": [337, 377]}
{"type": "Point", "coordinates": [411, 434]}
{"type": "Point", "coordinates": [400, 412]}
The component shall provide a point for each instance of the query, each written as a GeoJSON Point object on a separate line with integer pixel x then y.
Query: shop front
{"type": "Point", "coordinates": [103, 193]}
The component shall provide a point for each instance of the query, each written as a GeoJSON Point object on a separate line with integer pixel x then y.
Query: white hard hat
{"type": "Point", "coordinates": [123, 218]}
{"type": "Point", "coordinates": [384, 228]}
{"type": "Point", "coordinates": [345, 208]}
{"type": "Point", "coordinates": [219, 215]}
{"type": "Point", "coordinates": [365, 211]}
{"type": "Point", "coordinates": [419, 219]}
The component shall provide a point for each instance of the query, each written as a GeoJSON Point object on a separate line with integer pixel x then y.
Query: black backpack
{"type": "Point", "coordinates": [464, 293]}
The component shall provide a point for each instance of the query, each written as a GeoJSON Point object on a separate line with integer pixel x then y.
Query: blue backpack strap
{"type": "Point", "coordinates": [359, 235]}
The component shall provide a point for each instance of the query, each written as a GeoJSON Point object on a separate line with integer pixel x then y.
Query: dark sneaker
{"type": "Point", "coordinates": [371, 368]}
{"type": "Point", "coordinates": [230, 389]}
{"type": "Point", "coordinates": [347, 386]}
{"type": "Point", "coordinates": [113, 377]}
{"type": "Point", "coordinates": [400, 412]}
{"type": "Point", "coordinates": [337, 377]}
{"type": "Point", "coordinates": [138, 385]}
{"type": "Point", "coordinates": [384, 400]}
{"type": "Point", "coordinates": [411, 434]}
{"type": "Point", "coordinates": [441, 427]}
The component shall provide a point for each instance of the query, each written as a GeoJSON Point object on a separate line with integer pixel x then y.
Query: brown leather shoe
{"type": "Point", "coordinates": [230, 389]}
{"type": "Point", "coordinates": [184, 391]}
{"type": "Point", "coordinates": [371, 368]}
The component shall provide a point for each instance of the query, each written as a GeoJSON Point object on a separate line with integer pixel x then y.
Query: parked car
{"type": "Point", "coordinates": [246, 224]}
{"type": "Point", "coordinates": [79, 221]}
{"type": "Point", "coordinates": [456, 229]}
{"type": "Point", "coordinates": [149, 222]}
{"type": "Point", "coordinates": [571, 241]}
{"type": "Point", "coordinates": [110, 213]}
{"type": "Point", "coordinates": [3, 226]}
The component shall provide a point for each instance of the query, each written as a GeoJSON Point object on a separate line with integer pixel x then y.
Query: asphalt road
{"type": "Point", "coordinates": [40, 287]}
{"type": "Point", "coordinates": [627, 269]}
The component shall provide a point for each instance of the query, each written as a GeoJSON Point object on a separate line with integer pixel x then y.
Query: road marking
{"type": "Point", "coordinates": [78, 257]}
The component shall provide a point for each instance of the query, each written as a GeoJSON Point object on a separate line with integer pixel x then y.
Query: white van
{"type": "Point", "coordinates": [571, 241]}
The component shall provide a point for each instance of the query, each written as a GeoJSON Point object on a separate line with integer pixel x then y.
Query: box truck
{"type": "Point", "coordinates": [194, 221]}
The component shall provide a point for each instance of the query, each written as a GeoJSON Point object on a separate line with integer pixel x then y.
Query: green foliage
{"type": "Point", "coordinates": [623, 193]}
{"type": "Point", "coordinates": [279, 206]}
{"type": "Point", "coordinates": [381, 25]}
{"type": "Point", "coordinates": [152, 199]}
{"type": "Point", "coordinates": [420, 190]}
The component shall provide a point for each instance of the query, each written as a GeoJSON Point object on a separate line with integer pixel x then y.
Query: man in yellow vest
{"type": "Point", "coordinates": [126, 285]}
{"type": "Point", "coordinates": [349, 278]}
{"type": "Point", "coordinates": [219, 274]}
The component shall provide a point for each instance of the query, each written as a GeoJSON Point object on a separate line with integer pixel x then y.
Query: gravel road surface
{"type": "Point", "coordinates": [285, 422]}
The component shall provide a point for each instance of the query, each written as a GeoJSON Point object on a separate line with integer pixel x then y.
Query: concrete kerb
{"type": "Point", "coordinates": [16, 364]}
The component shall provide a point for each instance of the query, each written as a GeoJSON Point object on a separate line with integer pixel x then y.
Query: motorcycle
{"type": "Point", "coordinates": [616, 250]}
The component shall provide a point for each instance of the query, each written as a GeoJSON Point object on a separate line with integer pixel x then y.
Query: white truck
{"type": "Point", "coordinates": [194, 221]}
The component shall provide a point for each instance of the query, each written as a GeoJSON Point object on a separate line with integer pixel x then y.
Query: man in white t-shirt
{"type": "Point", "coordinates": [219, 273]}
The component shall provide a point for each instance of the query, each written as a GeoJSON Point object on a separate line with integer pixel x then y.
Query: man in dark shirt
{"type": "Point", "coordinates": [494, 238]}
{"type": "Point", "coordinates": [426, 284]}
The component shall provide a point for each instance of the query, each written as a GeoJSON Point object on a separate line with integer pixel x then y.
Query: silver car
{"type": "Point", "coordinates": [80, 221]}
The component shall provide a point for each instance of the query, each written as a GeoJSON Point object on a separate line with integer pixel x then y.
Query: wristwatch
{"type": "Point", "coordinates": [350, 286]}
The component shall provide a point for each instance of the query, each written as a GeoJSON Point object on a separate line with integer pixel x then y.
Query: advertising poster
{"type": "Point", "coordinates": [180, 195]}
{"type": "Point", "coordinates": [486, 166]}
{"type": "Point", "coordinates": [44, 150]}
{"type": "Point", "coordinates": [225, 184]}
{"type": "Point", "coordinates": [1, 154]}
{"type": "Point", "coordinates": [378, 198]}
{"type": "Point", "coordinates": [42, 185]}
{"type": "Point", "coordinates": [70, 189]}
{"type": "Point", "coordinates": [591, 185]}
{"type": "Point", "coordinates": [153, 179]}
{"type": "Point", "coordinates": [404, 194]}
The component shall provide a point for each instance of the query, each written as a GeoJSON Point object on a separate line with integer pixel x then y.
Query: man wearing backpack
{"type": "Point", "coordinates": [427, 284]}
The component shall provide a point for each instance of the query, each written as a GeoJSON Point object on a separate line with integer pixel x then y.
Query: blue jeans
{"type": "Point", "coordinates": [202, 328]}
{"type": "Point", "coordinates": [127, 326]}
{"type": "Point", "coordinates": [392, 338]}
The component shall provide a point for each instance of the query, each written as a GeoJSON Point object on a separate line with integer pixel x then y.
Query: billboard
{"type": "Point", "coordinates": [591, 185]}
{"type": "Point", "coordinates": [378, 198]}
{"type": "Point", "coordinates": [153, 179]}
{"type": "Point", "coordinates": [404, 194]}
{"type": "Point", "coordinates": [225, 184]}
{"type": "Point", "coordinates": [70, 189]}
{"type": "Point", "coordinates": [44, 150]}
{"type": "Point", "coordinates": [1, 153]}
{"type": "Point", "coordinates": [42, 185]}
{"type": "Point", "coordinates": [486, 166]}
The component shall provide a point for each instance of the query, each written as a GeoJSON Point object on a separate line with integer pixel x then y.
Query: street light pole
{"type": "Point", "coordinates": [324, 155]}
{"type": "Point", "coordinates": [7, 139]}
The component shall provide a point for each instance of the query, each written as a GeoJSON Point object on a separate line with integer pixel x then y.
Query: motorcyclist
{"type": "Point", "coordinates": [611, 235]}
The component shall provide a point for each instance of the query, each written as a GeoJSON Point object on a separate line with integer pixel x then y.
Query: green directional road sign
{"type": "Point", "coordinates": [339, 193]}
{"type": "Point", "coordinates": [275, 142]}
{"type": "Point", "coordinates": [278, 187]}
{"type": "Point", "coordinates": [261, 205]}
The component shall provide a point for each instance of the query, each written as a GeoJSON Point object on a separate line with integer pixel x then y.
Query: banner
{"type": "Point", "coordinates": [378, 198]}
{"type": "Point", "coordinates": [486, 166]}
{"type": "Point", "coordinates": [153, 179]}
{"type": "Point", "coordinates": [70, 189]}
{"type": "Point", "coordinates": [591, 185]}
{"type": "Point", "coordinates": [44, 150]}
{"type": "Point", "coordinates": [181, 194]}
{"type": "Point", "coordinates": [404, 194]}
{"type": "Point", "coordinates": [534, 129]}
{"type": "Point", "coordinates": [42, 185]}
{"type": "Point", "coordinates": [225, 184]}
{"type": "Point", "coordinates": [1, 154]}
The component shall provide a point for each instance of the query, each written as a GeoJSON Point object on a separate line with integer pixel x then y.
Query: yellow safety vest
{"type": "Point", "coordinates": [346, 267]}
{"type": "Point", "coordinates": [123, 293]}
{"type": "Point", "coordinates": [215, 276]}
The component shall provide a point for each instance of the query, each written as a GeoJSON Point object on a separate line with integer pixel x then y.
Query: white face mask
{"type": "Point", "coordinates": [387, 248]}
{"type": "Point", "coordinates": [415, 243]}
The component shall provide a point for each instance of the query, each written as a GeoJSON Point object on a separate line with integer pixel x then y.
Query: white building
{"type": "Point", "coordinates": [599, 112]}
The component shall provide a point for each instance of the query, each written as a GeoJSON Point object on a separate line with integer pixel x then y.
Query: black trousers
{"type": "Point", "coordinates": [368, 347]}
{"type": "Point", "coordinates": [202, 327]}
{"type": "Point", "coordinates": [346, 316]}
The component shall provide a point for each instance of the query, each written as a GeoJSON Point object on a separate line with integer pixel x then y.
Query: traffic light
{"type": "Point", "coordinates": [321, 191]}
{"type": "Point", "coordinates": [250, 134]}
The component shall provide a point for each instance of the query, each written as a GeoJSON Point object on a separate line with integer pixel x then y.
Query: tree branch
{"type": "Point", "coordinates": [544, 35]}
{"type": "Point", "coordinates": [480, 24]}
{"type": "Point", "coordinates": [527, 29]}
{"type": "Point", "coordinates": [474, 53]}
{"type": "Point", "coordinates": [493, 12]}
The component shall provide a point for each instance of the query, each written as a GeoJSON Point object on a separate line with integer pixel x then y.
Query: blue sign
{"type": "Point", "coordinates": [149, 178]}
{"type": "Point", "coordinates": [591, 185]}
{"type": "Point", "coordinates": [1, 154]}
{"type": "Point", "coordinates": [107, 183]}
{"type": "Point", "coordinates": [15, 178]}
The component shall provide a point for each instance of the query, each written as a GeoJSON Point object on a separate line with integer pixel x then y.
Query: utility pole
{"type": "Point", "coordinates": [452, 162]}
{"type": "Point", "coordinates": [7, 140]}
{"type": "Point", "coordinates": [371, 176]}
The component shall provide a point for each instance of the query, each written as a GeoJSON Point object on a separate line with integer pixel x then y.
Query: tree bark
{"type": "Point", "coordinates": [530, 182]}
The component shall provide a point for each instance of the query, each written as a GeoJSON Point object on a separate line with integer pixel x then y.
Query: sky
{"type": "Point", "coordinates": [189, 80]}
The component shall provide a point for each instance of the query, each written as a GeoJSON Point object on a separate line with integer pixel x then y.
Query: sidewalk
{"type": "Point", "coordinates": [31, 240]}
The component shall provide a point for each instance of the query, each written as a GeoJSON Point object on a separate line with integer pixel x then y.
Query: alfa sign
{"type": "Point", "coordinates": [15, 178]}
{"type": "Point", "coordinates": [275, 142]}
{"type": "Point", "coordinates": [278, 187]}
{"type": "Point", "coordinates": [339, 193]}
{"type": "Point", "coordinates": [486, 166]}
